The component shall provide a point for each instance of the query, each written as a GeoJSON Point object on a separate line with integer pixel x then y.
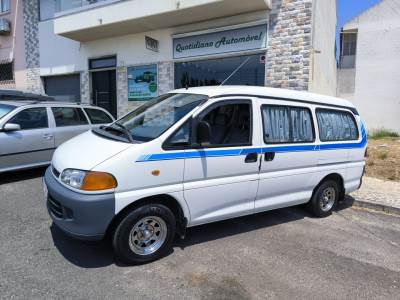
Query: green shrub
{"type": "Point", "coordinates": [382, 133]}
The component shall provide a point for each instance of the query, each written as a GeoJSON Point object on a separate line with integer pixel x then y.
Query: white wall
{"type": "Point", "coordinates": [377, 80]}
{"type": "Point", "coordinates": [59, 55]}
{"type": "Point", "coordinates": [323, 62]}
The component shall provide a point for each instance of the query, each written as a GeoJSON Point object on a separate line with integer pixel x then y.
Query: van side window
{"type": "Point", "coordinates": [181, 138]}
{"type": "Point", "coordinates": [31, 118]}
{"type": "Point", "coordinates": [286, 124]}
{"type": "Point", "coordinates": [69, 116]}
{"type": "Point", "coordinates": [230, 124]}
{"type": "Point", "coordinates": [335, 125]}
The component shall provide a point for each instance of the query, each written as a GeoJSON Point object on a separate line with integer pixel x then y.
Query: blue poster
{"type": "Point", "coordinates": [142, 82]}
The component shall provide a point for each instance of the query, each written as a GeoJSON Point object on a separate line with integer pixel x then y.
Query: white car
{"type": "Point", "coordinates": [30, 131]}
{"type": "Point", "coordinates": [200, 155]}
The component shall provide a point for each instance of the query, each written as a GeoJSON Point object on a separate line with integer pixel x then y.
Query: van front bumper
{"type": "Point", "coordinates": [82, 216]}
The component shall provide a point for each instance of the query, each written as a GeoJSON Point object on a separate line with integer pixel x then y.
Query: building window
{"type": "Point", "coordinates": [349, 44]}
{"type": "Point", "coordinates": [48, 8]}
{"type": "Point", "coordinates": [5, 5]}
{"type": "Point", "coordinates": [6, 72]}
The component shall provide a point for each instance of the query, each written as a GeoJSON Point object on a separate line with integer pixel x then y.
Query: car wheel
{"type": "Point", "coordinates": [145, 234]}
{"type": "Point", "coordinates": [324, 199]}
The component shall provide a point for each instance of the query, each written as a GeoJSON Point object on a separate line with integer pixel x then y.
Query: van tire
{"type": "Point", "coordinates": [129, 240]}
{"type": "Point", "coordinates": [324, 199]}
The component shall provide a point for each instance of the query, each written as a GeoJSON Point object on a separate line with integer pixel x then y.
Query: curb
{"type": "Point", "coordinates": [377, 207]}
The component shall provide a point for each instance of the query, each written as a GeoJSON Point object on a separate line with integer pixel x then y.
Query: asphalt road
{"type": "Point", "coordinates": [283, 254]}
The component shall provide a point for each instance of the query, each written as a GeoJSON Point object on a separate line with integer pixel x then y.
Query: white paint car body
{"type": "Point", "coordinates": [213, 184]}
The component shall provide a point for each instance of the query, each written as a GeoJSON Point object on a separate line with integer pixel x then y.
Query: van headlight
{"type": "Point", "coordinates": [88, 180]}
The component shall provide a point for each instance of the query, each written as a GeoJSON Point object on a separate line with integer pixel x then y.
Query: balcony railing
{"type": "Point", "coordinates": [63, 5]}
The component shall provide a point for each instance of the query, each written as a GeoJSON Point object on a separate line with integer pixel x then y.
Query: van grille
{"type": "Point", "coordinates": [58, 210]}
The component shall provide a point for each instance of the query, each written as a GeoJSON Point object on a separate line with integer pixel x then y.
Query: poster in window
{"type": "Point", "coordinates": [142, 82]}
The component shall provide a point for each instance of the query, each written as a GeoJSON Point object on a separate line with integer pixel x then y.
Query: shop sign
{"type": "Point", "coordinates": [234, 40]}
{"type": "Point", "coordinates": [142, 82]}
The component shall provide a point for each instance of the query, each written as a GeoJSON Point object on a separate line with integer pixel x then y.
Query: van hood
{"type": "Point", "coordinates": [86, 151]}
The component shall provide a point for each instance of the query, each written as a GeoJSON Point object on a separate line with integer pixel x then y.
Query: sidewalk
{"type": "Point", "coordinates": [378, 194]}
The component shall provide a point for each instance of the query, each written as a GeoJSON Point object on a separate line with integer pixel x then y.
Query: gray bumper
{"type": "Point", "coordinates": [81, 216]}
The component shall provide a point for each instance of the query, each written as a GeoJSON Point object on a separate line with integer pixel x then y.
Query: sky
{"type": "Point", "coordinates": [347, 9]}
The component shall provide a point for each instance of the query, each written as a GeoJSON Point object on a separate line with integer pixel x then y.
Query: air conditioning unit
{"type": "Point", "coordinates": [5, 26]}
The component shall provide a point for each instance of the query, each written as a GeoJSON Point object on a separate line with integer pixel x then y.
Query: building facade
{"type": "Point", "coordinates": [369, 66]}
{"type": "Point", "coordinates": [12, 55]}
{"type": "Point", "coordinates": [117, 54]}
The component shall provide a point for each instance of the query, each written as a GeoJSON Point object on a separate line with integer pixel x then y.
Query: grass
{"type": "Point", "coordinates": [382, 155]}
{"type": "Point", "coordinates": [382, 133]}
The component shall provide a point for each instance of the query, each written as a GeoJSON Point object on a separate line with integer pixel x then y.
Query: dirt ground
{"type": "Point", "coordinates": [383, 160]}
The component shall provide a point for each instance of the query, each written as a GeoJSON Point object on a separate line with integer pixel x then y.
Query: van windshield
{"type": "Point", "coordinates": [5, 109]}
{"type": "Point", "coordinates": [153, 118]}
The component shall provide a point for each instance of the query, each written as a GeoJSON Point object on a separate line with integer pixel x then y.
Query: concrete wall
{"type": "Point", "coordinates": [377, 73]}
{"type": "Point", "coordinates": [323, 61]}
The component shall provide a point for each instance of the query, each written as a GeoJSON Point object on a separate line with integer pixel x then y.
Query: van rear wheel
{"type": "Point", "coordinates": [145, 234]}
{"type": "Point", "coordinates": [324, 199]}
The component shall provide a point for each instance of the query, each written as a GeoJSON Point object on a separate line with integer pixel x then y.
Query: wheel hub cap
{"type": "Point", "coordinates": [148, 235]}
{"type": "Point", "coordinates": [327, 199]}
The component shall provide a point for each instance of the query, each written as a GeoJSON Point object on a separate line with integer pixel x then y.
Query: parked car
{"type": "Point", "coordinates": [30, 131]}
{"type": "Point", "coordinates": [201, 155]}
{"type": "Point", "coordinates": [15, 95]}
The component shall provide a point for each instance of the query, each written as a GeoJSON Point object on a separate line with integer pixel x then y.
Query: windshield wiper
{"type": "Point", "coordinates": [123, 130]}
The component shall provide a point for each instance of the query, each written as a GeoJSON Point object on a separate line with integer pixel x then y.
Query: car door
{"type": "Point", "coordinates": [33, 144]}
{"type": "Point", "coordinates": [69, 122]}
{"type": "Point", "coordinates": [289, 161]}
{"type": "Point", "coordinates": [220, 179]}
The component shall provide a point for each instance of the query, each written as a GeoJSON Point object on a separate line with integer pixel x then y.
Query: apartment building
{"type": "Point", "coordinates": [117, 54]}
{"type": "Point", "coordinates": [369, 66]}
{"type": "Point", "coordinates": [12, 56]}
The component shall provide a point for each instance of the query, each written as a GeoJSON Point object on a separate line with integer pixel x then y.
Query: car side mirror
{"type": "Point", "coordinates": [11, 127]}
{"type": "Point", "coordinates": [203, 133]}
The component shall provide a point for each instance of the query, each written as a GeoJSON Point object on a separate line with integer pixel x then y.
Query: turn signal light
{"type": "Point", "coordinates": [97, 181]}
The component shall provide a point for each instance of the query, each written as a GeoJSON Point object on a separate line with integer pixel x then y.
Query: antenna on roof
{"type": "Point", "coordinates": [234, 72]}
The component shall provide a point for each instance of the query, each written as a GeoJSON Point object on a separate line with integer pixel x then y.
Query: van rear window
{"type": "Point", "coordinates": [336, 125]}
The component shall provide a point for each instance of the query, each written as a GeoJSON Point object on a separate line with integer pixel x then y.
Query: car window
{"type": "Point", "coordinates": [69, 116]}
{"type": "Point", "coordinates": [181, 137]}
{"type": "Point", "coordinates": [98, 116]}
{"type": "Point", "coordinates": [5, 109]}
{"type": "Point", "coordinates": [153, 118]}
{"type": "Point", "coordinates": [31, 118]}
{"type": "Point", "coordinates": [230, 124]}
{"type": "Point", "coordinates": [286, 124]}
{"type": "Point", "coordinates": [335, 125]}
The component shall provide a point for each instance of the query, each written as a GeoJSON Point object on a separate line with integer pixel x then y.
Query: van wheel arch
{"type": "Point", "coordinates": [167, 200]}
{"type": "Point", "coordinates": [338, 179]}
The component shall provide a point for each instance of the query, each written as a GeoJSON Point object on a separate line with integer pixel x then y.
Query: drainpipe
{"type": "Point", "coordinates": [14, 30]}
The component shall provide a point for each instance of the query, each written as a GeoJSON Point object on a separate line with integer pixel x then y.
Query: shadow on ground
{"type": "Point", "coordinates": [10, 177]}
{"type": "Point", "coordinates": [99, 254]}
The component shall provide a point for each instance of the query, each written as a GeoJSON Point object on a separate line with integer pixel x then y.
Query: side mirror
{"type": "Point", "coordinates": [203, 133]}
{"type": "Point", "coordinates": [11, 127]}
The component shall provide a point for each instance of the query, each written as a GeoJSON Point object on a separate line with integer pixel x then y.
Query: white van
{"type": "Point", "coordinates": [201, 155]}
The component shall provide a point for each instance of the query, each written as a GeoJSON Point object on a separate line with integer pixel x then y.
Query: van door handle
{"type": "Point", "coordinates": [251, 158]}
{"type": "Point", "coordinates": [269, 156]}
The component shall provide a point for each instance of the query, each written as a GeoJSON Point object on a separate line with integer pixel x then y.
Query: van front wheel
{"type": "Point", "coordinates": [145, 234]}
{"type": "Point", "coordinates": [324, 199]}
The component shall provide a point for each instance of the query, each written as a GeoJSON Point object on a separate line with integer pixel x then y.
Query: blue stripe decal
{"type": "Point", "coordinates": [245, 151]}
